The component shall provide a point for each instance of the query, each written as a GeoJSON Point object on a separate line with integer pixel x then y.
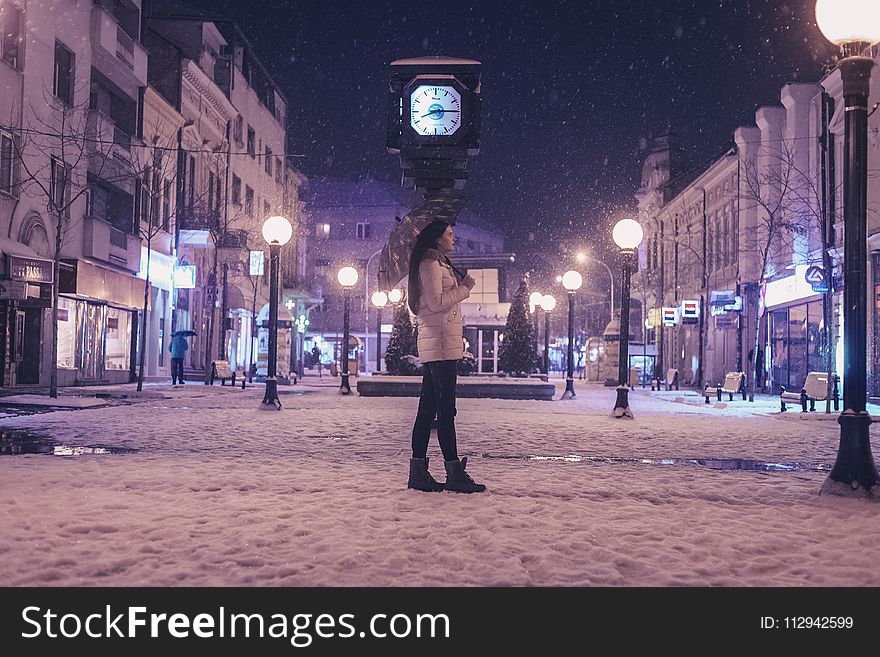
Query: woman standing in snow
{"type": "Point", "coordinates": [436, 290]}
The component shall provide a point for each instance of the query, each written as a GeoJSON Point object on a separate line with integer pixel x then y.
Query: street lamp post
{"type": "Point", "coordinates": [380, 299]}
{"type": "Point", "coordinates": [548, 303]}
{"type": "Point", "coordinates": [347, 278]}
{"type": "Point", "coordinates": [854, 25]}
{"type": "Point", "coordinates": [277, 232]}
{"type": "Point", "coordinates": [534, 304]}
{"type": "Point", "coordinates": [572, 282]}
{"type": "Point", "coordinates": [582, 257]}
{"type": "Point", "coordinates": [627, 235]}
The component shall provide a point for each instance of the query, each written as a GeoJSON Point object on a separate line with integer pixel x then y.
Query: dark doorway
{"type": "Point", "coordinates": [28, 339]}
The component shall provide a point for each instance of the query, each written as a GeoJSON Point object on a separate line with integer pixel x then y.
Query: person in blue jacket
{"type": "Point", "coordinates": [178, 348]}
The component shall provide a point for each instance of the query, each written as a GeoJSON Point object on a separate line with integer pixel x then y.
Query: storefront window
{"type": "Point", "coordinates": [66, 333]}
{"type": "Point", "coordinates": [797, 350]}
{"type": "Point", "coordinates": [118, 339]}
{"type": "Point", "coordinates": [779, 349]}
{"type": "Point", "coordinates": [815, 338]}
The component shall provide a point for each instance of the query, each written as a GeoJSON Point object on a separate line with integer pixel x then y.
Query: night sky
{"type": "Point", "coordinates": [568, 90]}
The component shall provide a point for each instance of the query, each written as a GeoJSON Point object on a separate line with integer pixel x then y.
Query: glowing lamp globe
{"type": "Point", "coordinates": [347, 277]}
{"type": "Point", "coordinates": [849, 21]}
{"type": "Point", "coordinates": [535, 300]}
{"type": "Point", "coordinates": [627, 234]}
{"type": "Point", "coordinates": [395, 295]}
{"type": "Point", "coordinates": [277, 230]}
{"type": "Point", "coordinates": [572, 281]}
{"type": "Point", "coordinates": [548, 302]}
{"type": "Point", "coordinates": [379, 299]}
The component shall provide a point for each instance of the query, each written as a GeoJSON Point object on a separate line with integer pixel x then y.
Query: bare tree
{"type": "Point", "coordinates": [778, 190]}
{"type": "Point", "coordinates": [58, 154]}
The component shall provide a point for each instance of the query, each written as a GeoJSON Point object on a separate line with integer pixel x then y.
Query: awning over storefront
{"type": "Point", "coordinates": [89, 281]}
{"type": "Point", "coordinates": [235, 299]}
{"type": "Point", "coordinates": [20, 262]}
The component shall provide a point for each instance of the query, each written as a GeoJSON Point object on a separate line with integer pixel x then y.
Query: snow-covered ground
{"type": "Point", "coordinates": [220, 493]}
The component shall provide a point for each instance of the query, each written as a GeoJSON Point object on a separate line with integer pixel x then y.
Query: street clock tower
{"type": "Point", "coordinates": [434, 121]}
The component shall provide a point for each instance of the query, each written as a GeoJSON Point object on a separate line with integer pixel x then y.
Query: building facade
{"type": "Point", "coordinates": [734, 257]}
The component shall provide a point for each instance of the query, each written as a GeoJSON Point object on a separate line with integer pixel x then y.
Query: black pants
{"type": "Point", "coordinates": [176, 370]}
{"type": "Point", "coordinates": [437, 399]}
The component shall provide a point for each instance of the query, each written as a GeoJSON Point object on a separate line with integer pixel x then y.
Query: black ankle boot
{"type": "Point", "coordinates": [459, 481]}
{"type": "Point", "coordinates": [420, 478]}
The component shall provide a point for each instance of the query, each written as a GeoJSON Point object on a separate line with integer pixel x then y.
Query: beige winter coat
{"type": "Point", "coordinates": [439, 313]}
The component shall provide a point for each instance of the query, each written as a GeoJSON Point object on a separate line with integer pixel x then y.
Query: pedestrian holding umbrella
{"type": "Point", "coordinates": [394, 261]}
{"type": "Point", "coordinates": [178, 349]}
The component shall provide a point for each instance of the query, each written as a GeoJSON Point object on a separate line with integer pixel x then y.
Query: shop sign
{"type": "Point", "coordinates": [161, 269]}
{"type": "Point", "coordinates": [257, 263]}
{"type": "Point", "coordinates": [815, 276]}
{"type": "Point", "coordinates": [653, 319]}
{"type": "Point", "coordinates": [32, 270]}
{"type": "Point", "coordinates": [725, 301]}
{"type": "Point", "coordinates": [185, 277]}
{"type": "Point", "coordinates": [788, 289]}
{"type": "Point", "coordinates": [13, 290]}
{"type": "Point", "coordinates": [725, 322]}
{"type": "Point", "coordinates": [670, 316]}
{"type": "Point", "coordinates": [690, 311]}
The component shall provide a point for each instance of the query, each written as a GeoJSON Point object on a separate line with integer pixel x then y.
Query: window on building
{"type": "Point", "coordinates": [248, 201]}
{"type": "Point", "coordinates": [278, 179]}
{"type": "Point", "coordinates": [268, 163]}
{"type": "Point", "coordinates": [146, 197]}
{"type": "Point", "coordinates": [363, 231]}
{"type": "Point", "coordinates": [267, 209]}
{"type": "Point", "coordinates": [166, 206]}
{"type": "Point", "coordinates": [211, 184]}
{"type": "Point", "coordinates": [62, 84]}
{"type": "Point", "coordinates": [251, 142]}
{"type": "Point", "coordinates": [322, 231]}
{"type": "Point", "coordinates": [238, 129]}
{"type": "Point", "coordinates": [6, 158]}
{"type": "Point", "coordinates": [236, 190]}
{"type": "Point", "coordinates": [11, 24]}
{"type": "Point", "coordinates": [191, 180]}
{"type": "Point", "coordinates": [58, 186]}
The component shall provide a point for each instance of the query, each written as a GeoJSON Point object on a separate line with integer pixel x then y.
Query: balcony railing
{"type": "Point", "coordinates": [118, 238]}
{"type": "Point", "coordinates": [199, 218]}
{"type": "Point", "coordinates": [124, 47]}
{"type": "Point", "coordinates": [233, 239]}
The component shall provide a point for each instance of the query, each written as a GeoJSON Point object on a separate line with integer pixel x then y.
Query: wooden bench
{"type": "Point", "coordinates": [815, 389]}
{"type": "Point", "coordinates": [734, 383]}
{"type": "Point", "coordinates": [671, 380]}
{"type": "Point", "coordinates": [220, 370]}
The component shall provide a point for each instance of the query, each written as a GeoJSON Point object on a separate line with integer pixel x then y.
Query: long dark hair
{"type": "Point", "coordinates": [427, 239]}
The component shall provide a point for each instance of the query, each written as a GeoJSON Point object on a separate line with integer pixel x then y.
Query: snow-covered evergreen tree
{"type": "Point", "coordinates": [517, 354]}
{"type": "Point", "coordinates": [403, 343]}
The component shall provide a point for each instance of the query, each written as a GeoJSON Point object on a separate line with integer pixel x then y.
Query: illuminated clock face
{"type": "Point", "coordinates": [435, 110]}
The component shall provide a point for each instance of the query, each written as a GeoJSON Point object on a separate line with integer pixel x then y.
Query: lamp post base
{"type": "Point", "coordinates": [344, 388]}
{"type": "Point", "coordinates": [270, 398]}
{"type": "Point", "coordinates": [569, 389]}
{"type": "Point", "coordinates": [854, 473]}
{"type": "Point", "coordinates": [621, 406]}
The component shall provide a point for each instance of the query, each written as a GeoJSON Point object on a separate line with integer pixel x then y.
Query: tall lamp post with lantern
{"type": "Point", "coordinates": [534, 304]}
{"type": "Point", "coordinates": [548, 303]}
{"type": "Point", "coordinates": [380, 300]}
{"type": "Point", "coordinates": [854, 25]}
{"type": "Point", "coordinates": [572, 282]}
{"type": "Point", "coordinates": [277, 232]}
{"type": "Point", "coordinates": [348, 278]}
{"type": "Point", "coordinates": [627, 235]}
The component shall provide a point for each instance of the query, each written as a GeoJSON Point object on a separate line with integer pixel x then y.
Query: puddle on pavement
{"type": "Point", "coordinates": [711, 463]}
{"type": "Point", "coordinates": [13, 443]}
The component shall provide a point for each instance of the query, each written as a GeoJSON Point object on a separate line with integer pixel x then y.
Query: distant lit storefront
{"type": "Point", "coordinates": [794, 343]}
{"type": "Point", "coordinates": [97, 324]}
